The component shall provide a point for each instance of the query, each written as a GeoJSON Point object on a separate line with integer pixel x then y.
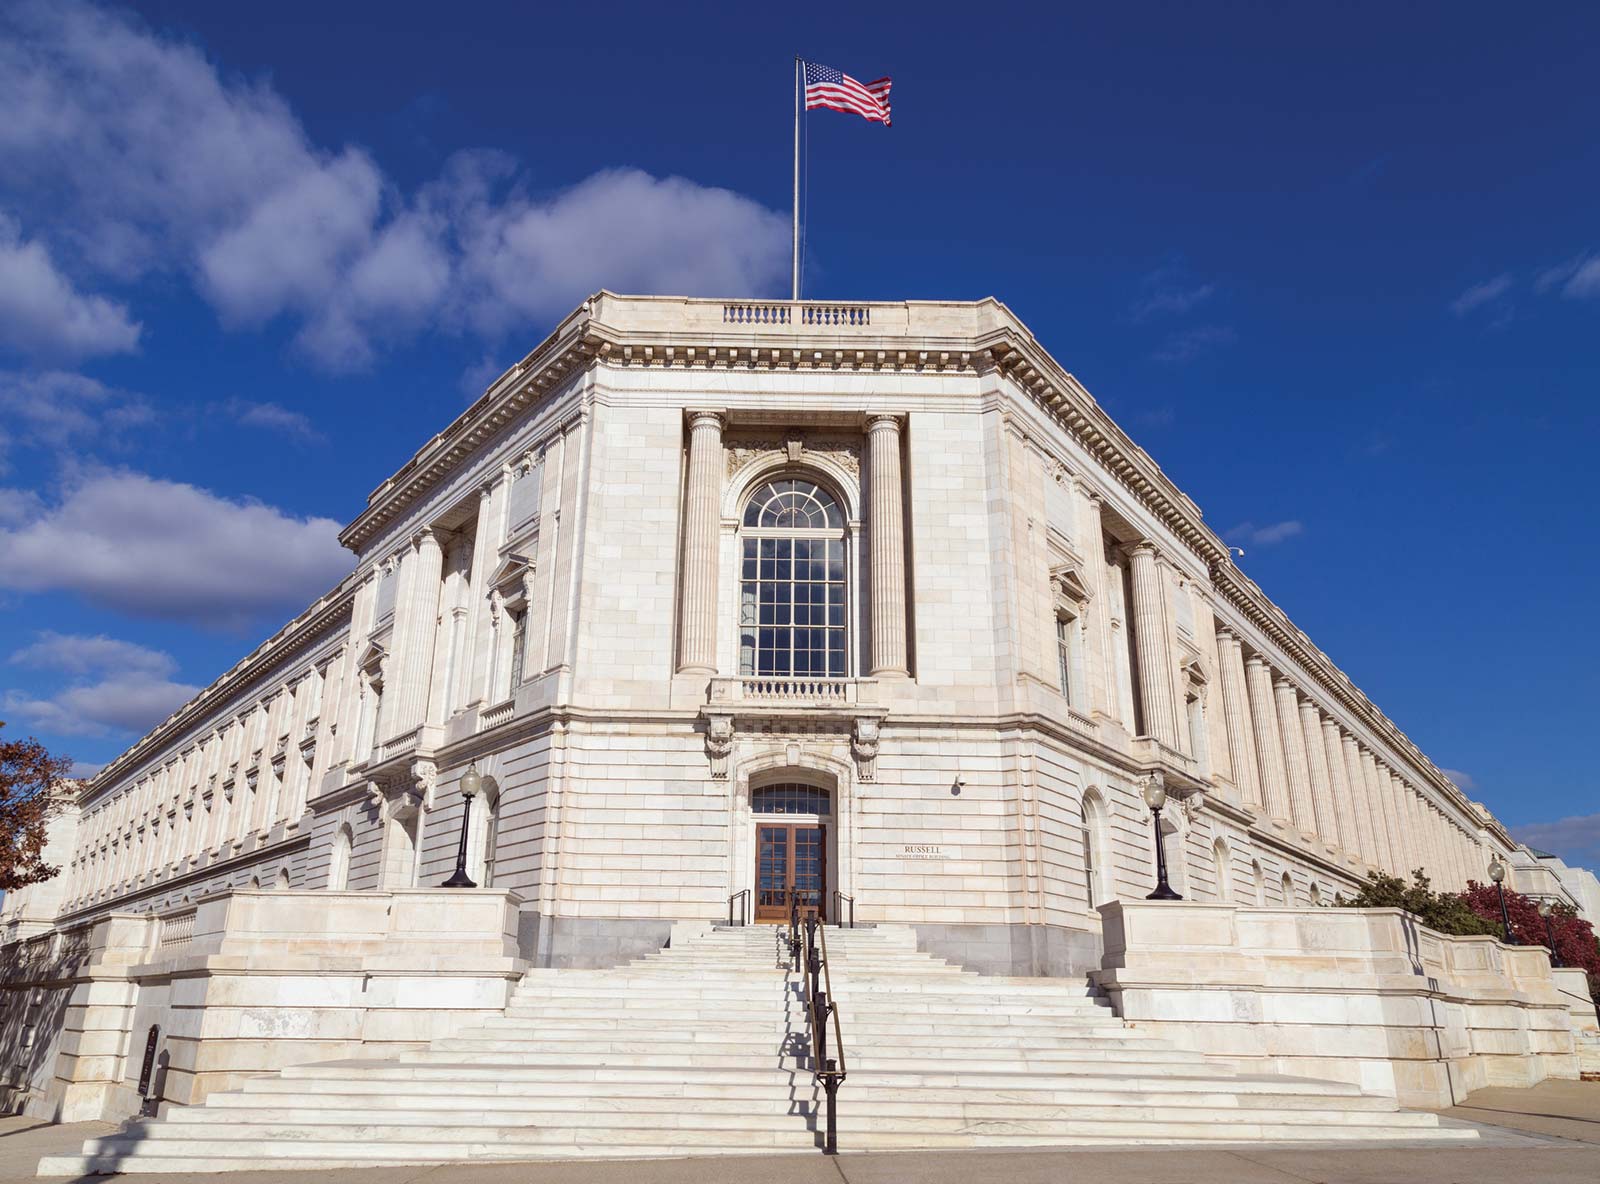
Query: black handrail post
{"type": "Point", "coordinates": [830, 1141]}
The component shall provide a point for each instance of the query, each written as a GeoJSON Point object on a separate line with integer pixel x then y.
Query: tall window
{"type": "Point", "coordinates": [792, 582]}
{"type": "Point", "coordinates": [1221, 867]}
{"type": "Point", "coordinates": [519, 644]}
{"type": "Point", "coordinates": [1066, 629]}
{"type": "Point", "coordinates": [1096, 865]}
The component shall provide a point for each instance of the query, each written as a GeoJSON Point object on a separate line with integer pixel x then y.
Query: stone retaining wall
{"type": "Point", "coordinates": [1362, 995]}
{"type": "Point", "coordinates": [240, 984]}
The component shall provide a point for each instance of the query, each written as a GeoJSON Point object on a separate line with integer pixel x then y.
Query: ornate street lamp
{"type": "Point", "coordinates": [1545, 909]}
{"type": "Point", "coordinates": [1497, 873]}
{"type": "Point", "coordinates": [1155, 796]}
{"type": "Point", "coordinates": [471, 783]}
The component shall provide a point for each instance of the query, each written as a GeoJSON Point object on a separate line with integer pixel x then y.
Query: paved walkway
{"type": "Point", "coordinates": [1558, 1143]}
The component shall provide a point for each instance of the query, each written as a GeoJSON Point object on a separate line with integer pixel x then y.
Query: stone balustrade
{"type": "Point", "coordinates": [1368, 996]}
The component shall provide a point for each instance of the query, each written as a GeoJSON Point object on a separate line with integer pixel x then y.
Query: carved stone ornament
{"type": "Point", "coordinates": [1068, 582]}
{"type": "Point", "coordinates": [719, 744]}
{"type": "Point", "coordinates": [844, 453]}
{"type": "Point", "coordinates": [251, 777]}
{"type": "Point", "coordinates": [864, 746]}
{"type": "Point", "coordinates": [1193, 804]}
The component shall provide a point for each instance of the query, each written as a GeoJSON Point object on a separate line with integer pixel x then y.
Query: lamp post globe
{"type": "Point", "coordinates": [469, 785]}
{"type": "Point", "coordinates": [1155, 796]}
{"type": "Point", "coordinates": [1497, 873]}
{"type": "Point", "coordinates": [1546, 909]}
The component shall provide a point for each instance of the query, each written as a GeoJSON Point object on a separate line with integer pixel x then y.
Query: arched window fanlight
{"type": "Point", "coordinates": [792, 504]}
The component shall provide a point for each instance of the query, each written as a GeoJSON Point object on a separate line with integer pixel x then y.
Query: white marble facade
{"type": "Point", "coordinates": [1020, 619]}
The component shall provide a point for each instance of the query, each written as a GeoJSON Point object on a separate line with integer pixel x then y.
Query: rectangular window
{"type": "Point", "coordinates": [791, 608]}
{"type": "Point", "coordinates": [519, 643]}
{"type": "Point", "coordinates": [1065, 628]}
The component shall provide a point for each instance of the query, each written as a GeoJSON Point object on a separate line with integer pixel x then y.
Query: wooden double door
{"type": "Point", "coordinates": [790, 857]}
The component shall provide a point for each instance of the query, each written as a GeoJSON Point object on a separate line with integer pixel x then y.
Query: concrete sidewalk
{"type": "Point", "coordinates": [1549, 1134]}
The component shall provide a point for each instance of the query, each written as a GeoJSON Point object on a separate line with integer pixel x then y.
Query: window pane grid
{"type": "Point", "coordinates": [791, 798]}
{"type": "Point", "coordinates": [792, 607]}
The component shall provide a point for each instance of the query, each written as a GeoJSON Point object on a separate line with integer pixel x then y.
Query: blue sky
{"type": "Point", "coordinates": [1337, 268]}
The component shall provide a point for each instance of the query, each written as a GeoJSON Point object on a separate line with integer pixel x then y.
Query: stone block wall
{"type": "Point", "coordinates": [1361, 995]}
{"type": "Point", "coordinates": [245, 983]}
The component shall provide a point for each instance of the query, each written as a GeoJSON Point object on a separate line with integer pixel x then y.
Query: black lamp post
{"type": "Point", "coordinates": [1155, 796]}
{"type": "Point", "coordinates": [471, 783]}
{"type": "Point", "coordinates": [1545, 909]}
{"type": "Point", "coordinates": [1497, 873]}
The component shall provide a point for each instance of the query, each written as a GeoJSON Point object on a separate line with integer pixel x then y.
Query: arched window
{"type": "Point", "coordinates": [1259, 878]}
{"type": "Point", "coordinates": [1316, 895]}
{"type": "Point", "coordinates": [339, 861]}
{"type": "Point", "coordinates": [1288, 889]}
{"type": "Point", "coordinates": [1222, 866]}
{"type": "Point", "coordinates": [792, 582]}
{"type": "Point", "coordinates": [281, 884]}
{"type": "Point", "coordinates": [482, 834]}
{"type": "Point", "coordinates": [1096, 861]}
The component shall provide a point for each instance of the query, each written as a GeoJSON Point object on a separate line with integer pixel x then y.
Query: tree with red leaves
{"type": "Point", "coordinates": [30, 783]}
{"type": "Point", "coordinates": [1574, 937]}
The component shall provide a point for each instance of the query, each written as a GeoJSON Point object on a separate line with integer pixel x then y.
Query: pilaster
{"type": "Point", "coordinates": [697, 649]}
{"type": "Point", "coordinates": [1153, 646]}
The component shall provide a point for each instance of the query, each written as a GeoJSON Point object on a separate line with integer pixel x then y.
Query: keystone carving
{"type": "Point", "coordinates": [864, 746]}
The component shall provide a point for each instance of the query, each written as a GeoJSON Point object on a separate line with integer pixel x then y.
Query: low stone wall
{"type": "Point", "coordinates": [1367, 996]}
{"type": "Point", "coordinates": [245, 983]}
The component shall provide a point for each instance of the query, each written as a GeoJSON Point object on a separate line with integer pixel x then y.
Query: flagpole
{"type": "Point", "coordinates": [794, 272]}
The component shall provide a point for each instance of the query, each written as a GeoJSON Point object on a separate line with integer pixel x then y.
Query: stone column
{"type": "Point", "coordinates": [1383, 813]}
{"type": "Point", "coordinates": [415, 668]}
{"type": "Point", "coordinates": [1355, 791]}
{"type": "Point", "coordinates": [886, 527]}
{"type": "Point", "coordinates": [1302, 813]}
{"type": "Point", "coordinates": [1321, 775]}
{"type": "Point", "coordinates": [1338, 786]}
{"type": "Point", "coordinates": [1269, 746]}
{"type": "Point", "coordinates": [1150, 640]}
{"type": "Point", "coordinates": [702, 509]}
{"type": "Point", "coordinates": [1236, 716]}
{"type": "Point", "coordinates": [1399, 828]}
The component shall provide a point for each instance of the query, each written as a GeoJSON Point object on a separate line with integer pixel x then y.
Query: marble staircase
{"type": "Point", "coordinates": [701, 1049]}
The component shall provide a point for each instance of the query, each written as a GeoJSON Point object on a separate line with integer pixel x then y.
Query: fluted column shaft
{"type": "Point", "coordinates": [1394, 820]}
{"type": "Point", "coordinates": [886, 525]}
{"type": "Point", "coordinates": [697, 651]}
{"type": "Point", "coordinates": [1338, 777]}
{"type": "Point", "coordinates": [422, 620]}
{"type": "Point", "coordinates": [1269, 744]}
{"type": "Point", "coordinates": [1302, 814]}
{"type": "Point", "coordinates": [1321, 775]}
{"type": "Point", "coordinates": [1236, 716]}
{"type": "Point", "coordinates": [1150, 639]}
{"type": "Point", "coordinates": [1383, 815]}
{"type": "Point", "coordinates": [1360, 804]}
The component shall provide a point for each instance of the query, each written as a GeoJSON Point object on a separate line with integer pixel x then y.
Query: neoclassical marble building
{"type": "Point", "coordinates": [863, 599]}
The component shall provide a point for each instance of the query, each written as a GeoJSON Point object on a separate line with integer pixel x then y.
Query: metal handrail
{"type": "Point", "coordinates": [743, 897]}
{"type": "Point", "coordinates": [820, 1005]}
{"type": "Point", "coordinates": [838, 913]}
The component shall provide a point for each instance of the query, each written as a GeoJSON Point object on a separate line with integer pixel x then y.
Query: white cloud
{"type": "Point", "coordinates": [155, 548]}
{"type": "Point", "coordinates": [1167, 290]}
{"type": "Point", "coordinates": [1480, 294]}
{"type": "Point", "coordinates": [1267, 535]}
{"type": "Point", "coordinates": [43, 315]}
{"type": "Point", "coordinates": [1577, 278]}
{"type": "Point", "coordinates": [1575, 839]}
{"type": "Point", "coordinates": [76, 653]}
{"type": "Point", "coordinates": [122, 686]}
{"type": "Point", "coordinates": [174, 166]}
{"type": "Point", "coordinates": [1465, 781]}
{"type": "Point", "coordinates": [1188, 344]}
{"type": "Point", "coordinates": [117, 703]}
{"type": "Point", "coordinates": [271, 417]}
{"type": "Point", "coordinates": [84, 769]}
{"type": "Point", "coordinates": [58, 410]}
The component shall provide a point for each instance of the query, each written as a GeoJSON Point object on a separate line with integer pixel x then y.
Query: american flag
{"type": "Point", "coordinates": [827, 87]}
